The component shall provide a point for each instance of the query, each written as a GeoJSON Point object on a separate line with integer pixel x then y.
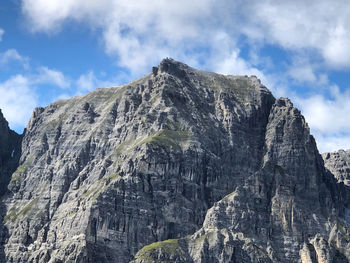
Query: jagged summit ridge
{"type": "Point", "coordinates": [210, 166]}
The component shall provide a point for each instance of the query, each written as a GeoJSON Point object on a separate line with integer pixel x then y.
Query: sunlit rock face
{"type": "Point", "coordinates": [181, 165]}
{"type": "Point", "coordinates": [338, 163]}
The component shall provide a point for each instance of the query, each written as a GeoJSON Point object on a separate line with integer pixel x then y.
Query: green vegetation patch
{"type": "Point", "coordinates": [168, 138]}
{"type": "Point", "coordinates": [167, 246]}
{"type": "Point", "coordinates": [41, 214]}
{"type": "Point", "coordinates": [127, 146]}
{"type": "Point", "coordinates": [344, 230]}
{"type": "Point", "coordinates": [58, 121]}
{"type": "Point", "coordinates": [100, 186]}
{"type": "Point", "coordinates": [15, 177]}
{"type": "Point", "coordinates": [72, 213]}
{"type": "Point", "coordinates": [13, 215]}
{"type": "Point", "coordinates": [22, 169]}
{"type": "Point", "coordinates": [201, 238]}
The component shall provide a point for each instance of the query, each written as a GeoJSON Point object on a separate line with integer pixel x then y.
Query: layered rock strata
{"type": "Point", "coordinates": [10, 152]}
{"type": "Point", "coordinates": [338, 163]}
{"type": "Point", "coordinates": [290, 210]}
{"type": "Point", "coordinates": [181, 165]}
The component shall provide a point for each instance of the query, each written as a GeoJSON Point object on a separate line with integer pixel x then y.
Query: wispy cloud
{"type": "Point", "coordinates": [20, 93]}
{"type": "Point", "coordinates": [1, 33]}
{"type": "Point", "coordinates": [297, 25]}
{"type": "Point", "coordinates": [17, 100]}
{"type": "Point", "coordinates": [51, 76]}
{"type": "Point", "coordinates": [328, 117]}
{"type": "Point", "coordinates": [88, 82]}
{"type": "Point", "coordinates": [142, 33]}
{"type": "Point", "coordinates": [12, 55]}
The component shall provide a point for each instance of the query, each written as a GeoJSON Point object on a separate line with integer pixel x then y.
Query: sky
{"type": "Point", "coordinates": [300, 49]}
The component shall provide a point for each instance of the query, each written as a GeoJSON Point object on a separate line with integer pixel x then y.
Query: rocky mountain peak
{"type": "Point", "coordinates": [181, 165]}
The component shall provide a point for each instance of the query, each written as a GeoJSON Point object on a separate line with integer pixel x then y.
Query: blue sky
{"type": "Point", "coordinates": [55, 49]}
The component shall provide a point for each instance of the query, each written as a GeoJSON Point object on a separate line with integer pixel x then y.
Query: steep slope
{"type": "Point", "coordinates": [9, 153]}
{"type": "Point", "coordinates": [290, 210]}
{"type": "Point", "coordinates": [105, 174]}
{"type": "Point", "coordinates": [338, 163]}
{"type": "Point", "coordinates": [10, 143]}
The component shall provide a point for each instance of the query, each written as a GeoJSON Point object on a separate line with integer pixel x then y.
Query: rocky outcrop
{"type": "Point", "coordinates": [10, 143]}
{"type": "Point", "coordinates": [338, 163]}
{"type": "Point", "coordinates": [105, 174]}
{"type": "Point", "coordinates": [290, 210]}
{"type": "Point", "coordinates": [181, 165]}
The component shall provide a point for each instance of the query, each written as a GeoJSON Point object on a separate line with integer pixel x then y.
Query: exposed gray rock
{"type": "Point", "coordinates": [104, 174]}
{"type": "Point", "coordinates": [181, 165]}
{"type": "Point", "coordinates": [338, 163]}
{"type": "Point", "coordinates": [290, 210]}
{"type": "Point", "coordinates": [10, 143]}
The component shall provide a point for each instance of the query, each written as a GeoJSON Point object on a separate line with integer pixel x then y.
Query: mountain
{"type": "Point", "coordinates": [181, 165]}
{"type": "Point", "coordinates": [10, 152]}
{"type": "Point", "coordinates": [339, 164]}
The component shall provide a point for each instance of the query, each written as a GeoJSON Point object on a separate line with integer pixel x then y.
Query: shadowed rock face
{"type": "Point", "coordinates": [10, 146]}
{"type": "Point", "coordinates": [210, 165]}
{"type": "Point", "coordinates": [10, 143]}
{"type": "Point", "coordinates": [338, 163]}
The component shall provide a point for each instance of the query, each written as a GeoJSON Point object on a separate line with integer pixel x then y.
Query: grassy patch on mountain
{"type": "Point", "coordinates": [167, 246]}
{"type": "Point", "coordinates": [14, 214]}
{"type": "Point", "coordinates": [169, 138]}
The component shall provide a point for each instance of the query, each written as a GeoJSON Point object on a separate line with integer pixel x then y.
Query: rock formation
{"type": "Point", "coordinates": [10, 152]}
{"type": "Point", "coordinates": [181, 165]}
{"type": "Point", "coordinates": [338, 163]}
{"type": "Point", "coordinates": [10, 143]}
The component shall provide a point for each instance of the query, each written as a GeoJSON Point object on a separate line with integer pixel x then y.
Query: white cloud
{"type": "Point", "coordinates": [12, 55]}
{"type": "Point", "coordinates": [302, 73]}
{"type": "Point", "coordinates": [20, 94]}
{"type": "Point", "coordinates": [17, 100]}
{"type": "Point", "coordinates": [332, 142]}
{"type": "Point", "coordinates": [88, 82]}
{"type": "Point", "coordinates": [141, 33]}
{"type": "Point", "coordinates": [337, 51]}
{"type": "Point", "coordinates": [49, 15]}
{"type": "Point", "coordinates": [1, 33]}
{"type": "Point", "coordinates": [295, 24]}
{"type": "Point", "coordinates": [328, 118]}
{"type": "Point", "coordinates": [50, 76]}
{"type": "Point", "coordinates": [328, 115]}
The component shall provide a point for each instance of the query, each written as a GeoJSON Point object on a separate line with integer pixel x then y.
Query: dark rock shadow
{"type": "Point", "coordinates": [10, 154]}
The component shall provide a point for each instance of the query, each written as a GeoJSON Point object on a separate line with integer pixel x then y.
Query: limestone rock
{"type": "Point", "coordinates": [105, 174]}
{"type": "Point", "coordinates": [10, 152]}
{"type": "Point", "coordinates": [338, 163]}
{"type": "Point", "coordinates": [181, 165]}
{"type": "Point", "coordinates": [290, 210]}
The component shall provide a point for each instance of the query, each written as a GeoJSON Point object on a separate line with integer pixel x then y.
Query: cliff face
{"type": "Point", "coordinates": [10, 143]}
{"type": "Point", "coordinates": [10, 151]}
{"type": "Point", "coordinates": [211, 165]}
{"type": "Point", "coordinates": [290, 210]}
{"type": "Point", "coordinates": [338, 163]}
